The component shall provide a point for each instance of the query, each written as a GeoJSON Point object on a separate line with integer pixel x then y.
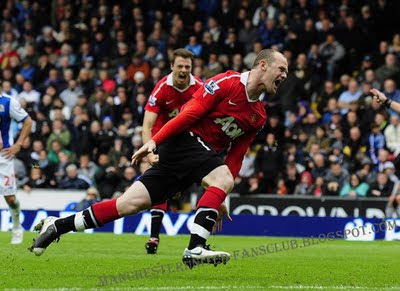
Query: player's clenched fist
{"type": "Point", "coordinates": [147, 148]}
{"type": "Point", "coordinates": [379, 96]}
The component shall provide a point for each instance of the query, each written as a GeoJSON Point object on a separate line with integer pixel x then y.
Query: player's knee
{"type": "Point", "coordinates": [10, 199]}
{"type": "Point", "coordinates": [128, 209]}
{"type": "Point", "coordinates": [226, 182]}
{"type": "Point", "coordinates": [398, 199]}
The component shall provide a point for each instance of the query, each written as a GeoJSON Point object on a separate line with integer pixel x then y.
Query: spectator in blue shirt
{"type": "Point", "coordinates": [352, 94]}
{"type": "Point", "coordinates": [376, 142]}
{"type": "Point", "coordinates": [355, 188]}
{"type": "Point", "coordinates": [194, 47]}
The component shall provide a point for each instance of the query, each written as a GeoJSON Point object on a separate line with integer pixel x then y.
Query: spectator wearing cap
{"type": "Point", "coordinates": [92, 197]}
{"type": "Point", "coordinates": [383, 187]}
{"type": "Point", "coordinates": [73, 180]}
{"type": "Point", "coordinates": [365, 66]}
{"type": "Point", "coordinates": [354, 188]}
{"type": "Point", "coordinates": [392, 134]}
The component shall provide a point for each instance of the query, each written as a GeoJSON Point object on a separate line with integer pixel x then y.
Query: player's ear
{"type": "Point", "coordinates": [263, 65]}
{"type": "Point", "coordinates": [172, 66]}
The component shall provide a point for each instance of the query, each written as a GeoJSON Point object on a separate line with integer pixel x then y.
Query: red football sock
{"type": "Point", "coordinates": [212, 198]}
{"type": "Point", "coordinates": [105, 211]}
{"type": "Point", "coordinates": [162, 207]}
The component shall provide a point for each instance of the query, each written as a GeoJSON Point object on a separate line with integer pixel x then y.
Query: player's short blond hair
{"type": "Point", "coordinates": [183, 53]}
{"type": "Point", "coordinates": [267, 55]}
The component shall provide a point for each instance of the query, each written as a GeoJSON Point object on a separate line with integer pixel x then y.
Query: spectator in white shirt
{"type": "Point", "coordinates": [29, 94]}
{"type": "Point", "coordinates": [71, 94]}
{"type": "Point", "coordinates": [392, 134]}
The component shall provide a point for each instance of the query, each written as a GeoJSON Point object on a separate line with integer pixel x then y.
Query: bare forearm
{"type": "Point", "coordinates": [148, 123]}
{"type": "Point", "coordinates": [395, 106]}
{"type": "Point", "coordinates": [146, 134]}
{"type": "Point", "coordinates": [25, 131]}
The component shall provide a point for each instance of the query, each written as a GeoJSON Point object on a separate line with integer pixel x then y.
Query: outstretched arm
{"type": "Point", "coordinates": [382, 99]}
{"type": "Point", "coordinates": [192, 112]}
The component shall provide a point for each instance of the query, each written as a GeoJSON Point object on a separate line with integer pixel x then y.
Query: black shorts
{"type": "Point", "coordinates": [184, 159]}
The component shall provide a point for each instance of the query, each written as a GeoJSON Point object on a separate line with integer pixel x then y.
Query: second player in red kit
{"type": "Point", "coordinates": [165, 102]}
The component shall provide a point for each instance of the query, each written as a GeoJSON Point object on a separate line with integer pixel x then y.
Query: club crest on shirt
{"type": "Point", "coordinates": [211, 87]}
{"type": "Point", "coordinates": [1, 108]}
{"type": "Point", "coordinates": [253, 118]}
{"type": "Point", "coordinates": [152, 100]}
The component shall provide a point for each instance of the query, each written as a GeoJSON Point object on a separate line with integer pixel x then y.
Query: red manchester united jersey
{"type": "Point", "coordinates": [222, 113]}
{"type": "Point", "coordinates": [167, 100]}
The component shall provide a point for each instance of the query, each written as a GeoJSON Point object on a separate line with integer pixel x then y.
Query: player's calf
{"type": "Point", "coordinates": [95, 216]}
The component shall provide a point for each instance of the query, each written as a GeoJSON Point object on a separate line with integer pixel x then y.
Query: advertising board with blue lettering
{"type": "Point", "coordinates": [365, 229]}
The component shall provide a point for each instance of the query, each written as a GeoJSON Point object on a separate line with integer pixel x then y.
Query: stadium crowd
{"type": "Point", "coordinates": [84, 69]}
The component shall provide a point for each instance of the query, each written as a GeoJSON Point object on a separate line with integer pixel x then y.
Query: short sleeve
{"type": "Point", "coordinates": [154, 103]}
{"type": "Point", "coordinates": [16, 111]}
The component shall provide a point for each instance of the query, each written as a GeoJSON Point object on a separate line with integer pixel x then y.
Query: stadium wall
{"type": "Point", "coordinates": [286, 217]}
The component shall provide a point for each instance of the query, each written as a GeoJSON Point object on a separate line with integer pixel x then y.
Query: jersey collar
{"type": "Point", "coordinates": [170, 82]}
{"type": "Point", "coordinates": [243, 79]}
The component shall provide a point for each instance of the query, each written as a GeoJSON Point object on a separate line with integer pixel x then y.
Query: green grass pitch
{"type": "Point", "coordinates": [83, 261]}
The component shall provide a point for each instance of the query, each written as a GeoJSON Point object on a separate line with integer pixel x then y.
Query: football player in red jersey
{"type": "Point", "coordinates": [226, 113]}
{"type": "Point", "coordinates": [165, 102]}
